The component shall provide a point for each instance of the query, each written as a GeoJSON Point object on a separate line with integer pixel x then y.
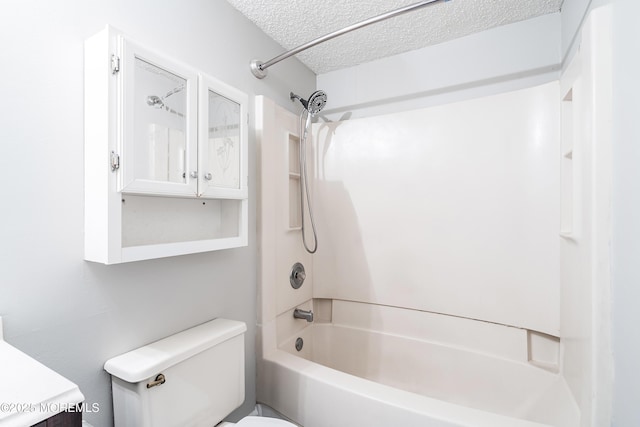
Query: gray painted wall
{"type": "Point", "coordinates": [510, 57]}
{"type": "Point", "coordinates": [626, 212]}
{"type": "Point", "coordinates": [70, 314]}
{"type": "Point", "coordinates": [573, 14]}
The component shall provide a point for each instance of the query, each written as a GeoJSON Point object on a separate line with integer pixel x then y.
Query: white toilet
{"type": "Point", "coordinates": [194, 378]}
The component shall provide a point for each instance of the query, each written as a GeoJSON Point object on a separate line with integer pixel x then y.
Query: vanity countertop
{"type": "Point", "coordinates": [29, 391]}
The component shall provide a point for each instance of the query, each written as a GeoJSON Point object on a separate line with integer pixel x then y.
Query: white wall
{"type": "Point", "coordinates": [451, 209]}
{"type": "Point", "coordinates": [585, 255]}
{"type": "Point", "coordinates": [626, 211]}
{"type": "Point", "coordinates": [505, 58]}
{"type": "Point", "coordinates": [70, 314]}
{"type": "Point", "coordinates": [625, 245]}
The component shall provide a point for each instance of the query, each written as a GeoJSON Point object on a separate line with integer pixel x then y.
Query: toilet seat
{"type": "Point", "coordinates": [263, 422]}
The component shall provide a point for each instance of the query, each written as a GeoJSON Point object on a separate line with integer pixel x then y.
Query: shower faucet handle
{"type": "Point", "coordinates": [297, 275]}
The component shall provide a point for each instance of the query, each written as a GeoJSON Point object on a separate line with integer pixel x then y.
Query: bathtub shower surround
{"type": "Point", "coordinates": [448, 289]}
{"type": "Point", "coordinates": [420, 216]}
{"type": "Point", "coordinates": [451, 209]}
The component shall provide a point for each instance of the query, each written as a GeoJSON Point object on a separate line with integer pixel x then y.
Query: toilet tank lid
{"type": "Point", "coordinates": [145, 362]}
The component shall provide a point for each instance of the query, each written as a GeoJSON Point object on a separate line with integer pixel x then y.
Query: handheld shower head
{"type": "Point", "coordinates": [314, 104]}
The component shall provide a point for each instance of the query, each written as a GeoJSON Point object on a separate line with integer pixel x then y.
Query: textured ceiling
{"type": "Point", "coordinates": [295, 22]}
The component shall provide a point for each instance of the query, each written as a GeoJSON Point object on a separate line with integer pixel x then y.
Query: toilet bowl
{"type": "Point", "coordinates": [193, 378]}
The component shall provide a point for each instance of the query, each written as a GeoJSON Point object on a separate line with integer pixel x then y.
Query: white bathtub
{"type": "Point", "coordinates": [351, 376]}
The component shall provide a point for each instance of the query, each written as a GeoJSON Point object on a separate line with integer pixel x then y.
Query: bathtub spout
{"type": "Point", "coordinates": [303, 314]}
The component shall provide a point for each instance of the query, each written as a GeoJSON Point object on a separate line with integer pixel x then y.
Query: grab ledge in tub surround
{"type": "Point", "coordinates": [31, 392]}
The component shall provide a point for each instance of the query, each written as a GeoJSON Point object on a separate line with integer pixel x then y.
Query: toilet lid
{"type": "Point", "coordinates": [263, 422]}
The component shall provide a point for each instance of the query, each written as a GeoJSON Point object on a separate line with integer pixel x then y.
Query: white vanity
{"type": "Point", "coordinates": [33, 395]}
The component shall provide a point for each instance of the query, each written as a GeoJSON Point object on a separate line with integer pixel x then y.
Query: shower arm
{"type": "Point", "coordinates": [259, 68]}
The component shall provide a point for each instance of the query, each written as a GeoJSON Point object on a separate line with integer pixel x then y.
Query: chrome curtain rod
{"type": "Point", "coordinates": [259, 68]}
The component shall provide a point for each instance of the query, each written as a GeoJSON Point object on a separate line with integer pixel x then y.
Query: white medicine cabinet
{"type": "Point", "coordinates": [165, 155]}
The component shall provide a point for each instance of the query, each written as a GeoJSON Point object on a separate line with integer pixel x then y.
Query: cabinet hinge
{"type": "Point", "coordinates": [115, 64]}
{"type": "Point", "coordinates": [114, 161]}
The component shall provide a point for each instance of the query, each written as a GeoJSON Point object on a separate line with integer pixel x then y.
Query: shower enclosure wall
{"type": "Point", "coordinates": [447, 290]}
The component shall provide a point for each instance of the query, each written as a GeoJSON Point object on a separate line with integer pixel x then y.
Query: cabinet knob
{"type": "Point", "coordinates": [194, 174]}
{"type": "Point", "coordinates": [208, 176]}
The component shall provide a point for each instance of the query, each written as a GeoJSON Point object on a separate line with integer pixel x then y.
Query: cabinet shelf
{"type": "Point", "coordinates": [144, 252]}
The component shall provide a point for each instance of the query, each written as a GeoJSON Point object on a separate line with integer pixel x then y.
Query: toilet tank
{"type": "Point", "coordinates": [193, 378]}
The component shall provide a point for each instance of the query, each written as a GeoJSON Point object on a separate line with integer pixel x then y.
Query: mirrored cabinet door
{"type": "Point", "coordinates": [159, 124]}
{"type": "Point", "coordinates": [222, 145]}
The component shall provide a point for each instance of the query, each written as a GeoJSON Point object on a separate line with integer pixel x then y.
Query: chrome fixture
{"type": "Point", "coordinates": [312, 106]}
{"type": "Point", "coordinates": [299, 343]}
{"type": "Point", "coordinates": [297, 276]}
{"type": "Point", "coordinates": [303, 314]}
{"type": "Point", "coordinates": [259, 68]}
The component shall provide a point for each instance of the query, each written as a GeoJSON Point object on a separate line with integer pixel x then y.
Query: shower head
{"type": "Point", "coordinates": [314, 104]}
